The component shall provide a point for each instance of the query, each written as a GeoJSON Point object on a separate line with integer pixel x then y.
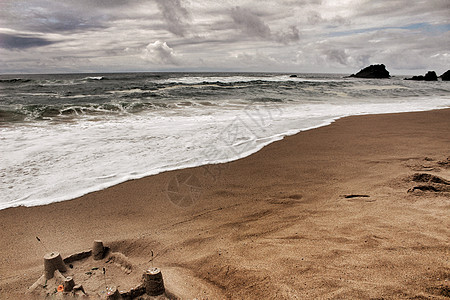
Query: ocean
{"type": "Point", "coordinates": [62, 136]}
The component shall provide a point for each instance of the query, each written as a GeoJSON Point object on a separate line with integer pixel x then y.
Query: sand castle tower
{"type": "Point", "coordinates": [52, 262]}
{"type": "Point", "coordinates": [52, 282]}
{"type": "Point", "coordinates": [153, 282]}
{"type": "Point", "coordinates": [98, 250]}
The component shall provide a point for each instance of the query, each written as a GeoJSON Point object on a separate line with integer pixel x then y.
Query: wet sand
{"type": "Point", "coordinates": [338, 212]}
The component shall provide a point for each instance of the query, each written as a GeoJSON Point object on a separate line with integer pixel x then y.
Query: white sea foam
{"type": "Point", "coordinates": [43, 163]}
{"type": "Point", "coordinates": [243, 78]}
{"type": "Point", "coordinates": [93, 78]}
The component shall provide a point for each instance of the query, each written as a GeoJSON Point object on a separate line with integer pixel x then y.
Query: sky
{"type": "Point", "coordinates": [301, 36]}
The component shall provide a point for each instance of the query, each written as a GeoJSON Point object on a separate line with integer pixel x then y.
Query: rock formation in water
{"type": "Point", "coordinates": [373, 71]}
{"type": "Point", "coordinates": [445, 76]}
{"type": "Point", "coordinates": [430, 76]}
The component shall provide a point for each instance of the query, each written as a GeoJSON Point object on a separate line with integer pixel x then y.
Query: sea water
{"type": "Point", "coordinates": [62, 136]}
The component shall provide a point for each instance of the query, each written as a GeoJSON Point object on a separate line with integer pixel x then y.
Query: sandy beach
{"type": "Point", "coordinates": [340, 212]}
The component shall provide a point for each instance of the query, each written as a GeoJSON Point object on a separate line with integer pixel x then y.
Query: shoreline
{"type": "Point", "coordinates": [273, 224]}
{"type": "Point", "coordinates": [273, 139]}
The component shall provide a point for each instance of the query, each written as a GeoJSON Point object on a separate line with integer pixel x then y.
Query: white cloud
{"type": "Point", "coordinates": [160, 53]}
{"type": "Point", "coordinates": [253, 59]}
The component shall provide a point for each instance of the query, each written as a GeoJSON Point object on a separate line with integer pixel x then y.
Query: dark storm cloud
{"type": "Point", "coordinates": [49, 16]}
{"type": "Point", "coordinates": [291, 35]}
{"type": "Point", "coordinates": [8, 41]}
{"type": "Point", "coordinates": [314, 18]}
{"type": "Point", "coordinates": [175, 16]}
{"type": "Point", "coordinates": [253, 25]}
{"type": "Point", "coordinates": [336, 55]}
{"type": "Point", "coordinates": [250, 23]}
{"type": "Point", "coordinates": [64, 21]}
{"type": "Point", "coordinates": [103, 3]}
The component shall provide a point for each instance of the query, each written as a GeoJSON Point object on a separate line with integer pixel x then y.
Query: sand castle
{"type": "Point", "coordinates": [96, 274]}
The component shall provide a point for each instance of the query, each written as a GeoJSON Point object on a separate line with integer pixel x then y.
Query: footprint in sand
{"type": "Point", "coordinates": [430, 183]}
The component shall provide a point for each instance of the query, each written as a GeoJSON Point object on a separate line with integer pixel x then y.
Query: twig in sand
{"type": "Point", "coordinates": [104, 277]}
{"type": "Point", "coordinates": [40, 242]}
{"type": "Point", "coordinates": [152, 258]}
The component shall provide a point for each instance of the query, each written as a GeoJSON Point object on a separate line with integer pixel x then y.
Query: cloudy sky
{"type": "Point", "coordinates": [336, 36]}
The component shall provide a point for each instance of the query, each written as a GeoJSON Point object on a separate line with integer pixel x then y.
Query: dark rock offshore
{"type": "Point", "coordinates": [373, 71]}
{"type": "Point", "coordinates": [445, 76]}
{"type": "Point", "coordinates": [430, 76]}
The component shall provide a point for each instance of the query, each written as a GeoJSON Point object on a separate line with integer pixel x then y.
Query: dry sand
{"type": "Point", "coordinates": [275, 225]}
